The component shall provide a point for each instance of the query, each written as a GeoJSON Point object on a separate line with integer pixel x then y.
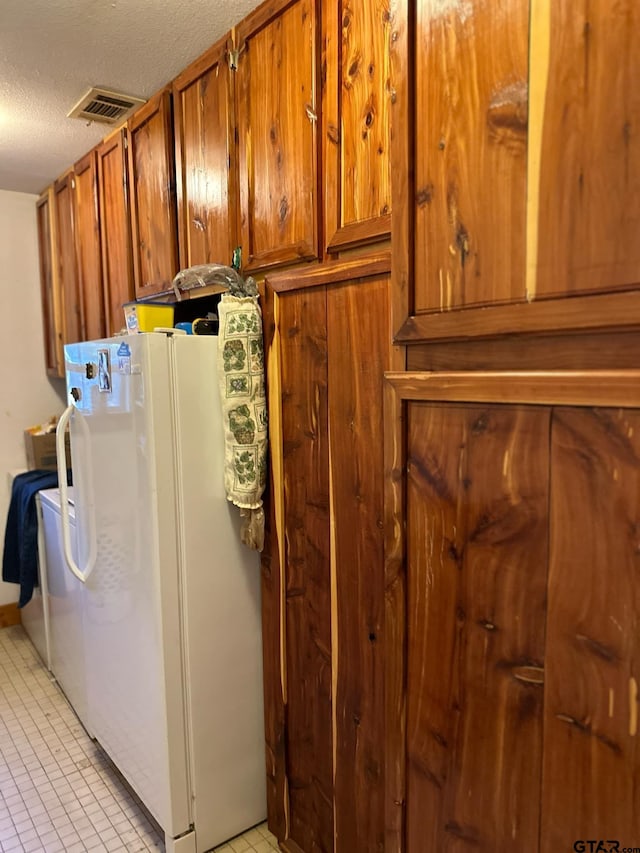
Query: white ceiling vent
{"type": "Point", "coordinates": [104, 106]}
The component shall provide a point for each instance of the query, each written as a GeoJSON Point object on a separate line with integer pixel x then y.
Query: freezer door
{"type": "Point", "coordinates": [132, 637]}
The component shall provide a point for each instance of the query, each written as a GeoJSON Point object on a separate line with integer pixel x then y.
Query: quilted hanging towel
{"type": "Point", "coordinates": [244, 410]}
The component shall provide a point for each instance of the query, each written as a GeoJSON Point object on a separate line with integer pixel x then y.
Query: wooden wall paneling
{"type": "Point", "coordinates": [88, 251]}
{"type": "Point", "coordinates": [49, 288]}
{"type": "Point", "coordinates": [477, 491]}
{"type": "Point", "coordinates": [307, 576]}
{"type": "Point", "coordinates": [356, 123]}
{"type": "Point", "coordinates": [273, 561]}
{"type": "Point", "coordinates": [153, 204]}
{"type": "Point", "coordinates": [358, 355]}
{"type": "Point", "coordinates": [469, 190]}
{"type": "Point", "coordinates": [65, 255]}
{"type": "Point", "coordinates": [584, 174]}
{"type": "Point", "coordinates": [589, 351]}
{"type": "Point", "coordinates": [592, 758]}
{"type": "Point", "coordinates": [115, 229]}
{"type": "Point", "coordinates": [277, 103]}
{"type": "Point", "coordinates": [206, 162]}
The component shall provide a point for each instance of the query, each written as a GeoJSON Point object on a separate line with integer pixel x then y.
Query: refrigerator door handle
{"type": "Point", "coordinates": [81, 574]}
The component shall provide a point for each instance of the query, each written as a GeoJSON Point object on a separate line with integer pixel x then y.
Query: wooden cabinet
{"type": "Point", "coordinates": [115, 229]}
{"type": "Point", "coordinates": [153, 204]}
{"type": "Point", "coordinates": [87, 244]}
{"type": "Point", "coordinates": [323, 565]}
{"type": "Point", "coordinates": [356, 104]}
{"type": "Point", "coordinates": [49, 289]}
{"type": "Point", "coordinates": [277, 93]}
{"type": "Point", "coordinates": [512, 176]}
{"type": "Point", "coordinates": [65, 259]}
{"type": "Point", "coordinates": [511, 662]}
{"type": "Point", "coordinates": [206, 165]}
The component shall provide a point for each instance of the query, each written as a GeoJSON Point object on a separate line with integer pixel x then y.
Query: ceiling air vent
{"type": "Point", "coordinates": [104, 106]}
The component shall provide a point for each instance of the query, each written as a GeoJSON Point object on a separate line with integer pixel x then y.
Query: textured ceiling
{"type": "Point", "coordinates": [52, 51]}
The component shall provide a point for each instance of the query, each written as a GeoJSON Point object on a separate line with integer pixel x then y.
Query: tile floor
{"type": "Point", "coordinates": [58, 791]}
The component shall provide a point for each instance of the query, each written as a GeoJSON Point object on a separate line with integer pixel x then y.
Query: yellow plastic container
{"type": "Point", "coordinates": [147, 316]}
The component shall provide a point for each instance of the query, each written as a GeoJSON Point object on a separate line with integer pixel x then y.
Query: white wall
{"type": "Point", "coordinates": [27, 395]}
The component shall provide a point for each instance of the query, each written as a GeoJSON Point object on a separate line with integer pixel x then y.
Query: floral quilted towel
{"type": "Point", "coordinates": [244, 410]}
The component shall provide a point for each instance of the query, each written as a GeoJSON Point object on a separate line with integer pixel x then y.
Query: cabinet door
{"type": "Point", "coordinates": [206, 160]}
{"type": "Point", "coordinates": [323, 595]}
{"type": "Point", "coordinates": [153, 202]}
{"type": "Point", "coordinates": [65, 254]}
{"type": "Point", "coordinates": [115, 229]}
{"type": "Point", "coordinates": [584, 180]}
{"type": "Point", "coordinates": [87, 236]}
{"type": "Point", "coordinates": [356, 135]}
{"type": "Point", "coordinates": [477, 497]}
{"type": "Point", "coordinates": [277, 87]}
{"type": "Point", "coordinates": [50, 294]}
{"type": "Point", "coordinates": [591, 752]}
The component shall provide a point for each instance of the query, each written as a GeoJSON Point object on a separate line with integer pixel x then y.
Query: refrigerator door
{"type": "Point", "coordinates": [123, 464]}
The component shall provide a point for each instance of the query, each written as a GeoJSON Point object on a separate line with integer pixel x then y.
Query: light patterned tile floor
{"type": "Point", "coordinates": [58, 791]}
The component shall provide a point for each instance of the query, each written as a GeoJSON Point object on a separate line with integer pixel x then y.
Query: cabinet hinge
{"type": "Point", "coordinates": [234, 54]}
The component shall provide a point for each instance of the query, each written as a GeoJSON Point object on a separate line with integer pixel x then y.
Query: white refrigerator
{"type": "Point", "coordinates": [172, 617]}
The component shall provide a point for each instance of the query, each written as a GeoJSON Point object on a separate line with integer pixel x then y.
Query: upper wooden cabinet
{"type": "Point", "coordinates": [65, 259]}
{"type": "Point", "coordinates": [515, 168]}
{"type": "Point", "coordinates": [87, 243]}
{"type": "Point", "coordinates": [50, 292]}
{"type": "Point", "coordinates": [115, 230]}
{"type": "Point", "coordinates": [203, 106]}
{"type": "Point", "coordinates": [153, 204]}
{"type": "Point", "coordinates": [356, 125]}
{"type": "Point", "coordinates": [277, 89]}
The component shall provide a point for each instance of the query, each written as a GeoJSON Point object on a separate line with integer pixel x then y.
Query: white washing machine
{"type": "Point", "coordinates": [35, 614]}
{"type": "Point", "coordinates": [66, 600]}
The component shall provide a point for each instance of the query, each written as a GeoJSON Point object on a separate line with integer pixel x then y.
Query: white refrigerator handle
{"type": "Point", "coordinates": [81, 574]}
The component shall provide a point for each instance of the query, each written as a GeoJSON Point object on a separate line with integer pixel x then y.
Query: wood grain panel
{"type": "Point", "coordinates": [277, 113]}
{"type": "Point", "coordinates": [468, 198]}
{"type": "Point", "coordinates": [273, 591]}
{"type": "Point", "coordinates": [356, 122]}
{"type": "Point", "coordinates": [65, 254]}
{"type": "Point", "coordinates": [588, 180]}
{"type": "Point", "coordinates": [477, 492]}
{"type": "Point", "coordinates": [115, 229]}
{"type": "Point", "coordinates": [592, 758]}
{"type": "Point", "coordinates": [359, 353]}
{"type": "Point", "coordinates": [153, 202]}
{"type": "Point", "coordinates": [303, 332]}
{"type": "Point", "coordinates": [49, 291]}
{"type": "Point", "coordinates": [607, 350]}
{"type": "Point", "coordinates": [88, 251]}
{"type": "Point", "coordinates": [206, 159]}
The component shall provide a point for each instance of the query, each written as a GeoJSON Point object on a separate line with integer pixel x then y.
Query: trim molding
{"type": "Point", "coordinates": [332, 272]}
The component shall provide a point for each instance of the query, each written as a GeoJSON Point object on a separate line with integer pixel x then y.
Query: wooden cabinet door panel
{"type": "Point", "coordinates": [584, 186]}
{"type": "Point", "coordinates": [51, 319]}
{"type": "Point", "coordinates": [115, 229]}
{"type": "Point", "coordinates": [356, 137]}
{"type": "Point", "coordinates": [469, 191]}
{"type": "Point", "coordinates": [65, 252]}
{"type": "Point", "coordinates": [359, 353]}
{"type": "Point", "coordinates": [87, 235]}
{"type": "Point", "coordinates": [307, 572]}
{"type": "Point", "coordinates": [477, 497]}
{"type": "Point", "coordinates": [591, 752]}
{"type": "Point", "coordinates": [153, 203]}
{"type": "Point", "coordinates": [206, 159]}
{"type": "Point", "coordinates": [277, 88]}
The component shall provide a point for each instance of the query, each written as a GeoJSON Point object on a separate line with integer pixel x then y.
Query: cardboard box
{"type": "Point", "coordinates": [41, 451]}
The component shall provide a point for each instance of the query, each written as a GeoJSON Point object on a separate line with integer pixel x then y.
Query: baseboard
{"type": "Point", "coordinates": [9, 615]}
